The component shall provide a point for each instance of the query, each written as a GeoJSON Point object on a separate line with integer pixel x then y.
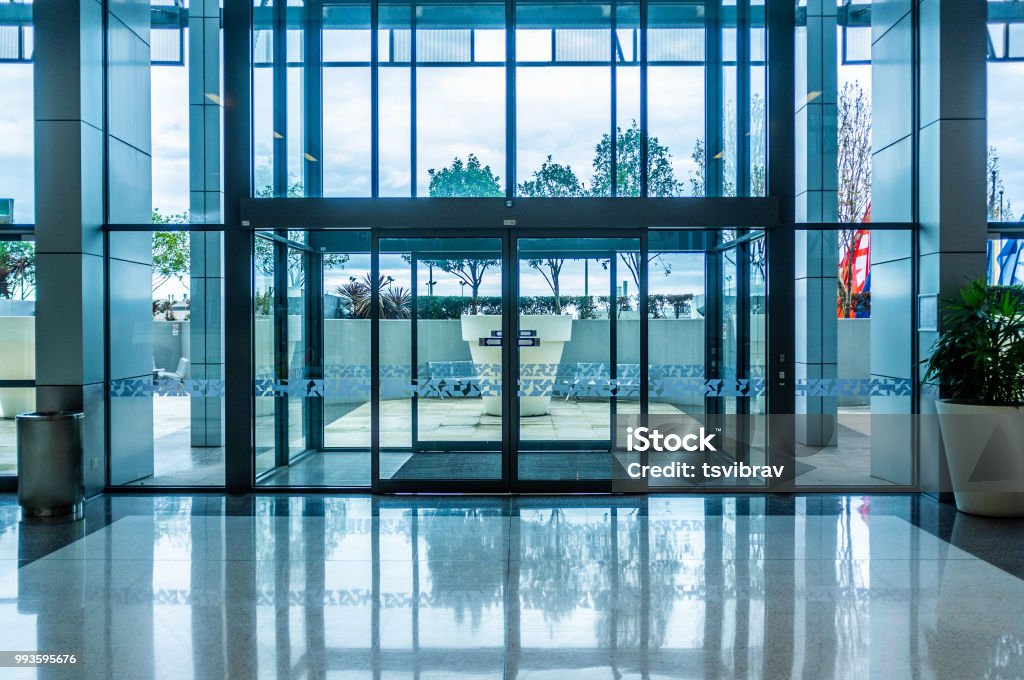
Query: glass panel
{"type": "Point", "coordinates": [440, 358]}
{"type": "Point", "coordinates": [17, 341]}
{"type": "Point", "coordinates": [166, 360]}
{"type": "Point", "coordinates": [346, 105]}
{"type": "Point", "coordinates": [265, 364]}
{"type": "Point", "coordinates": [563, 65]}
{"type": "Point", "coordinates": [460, 98]}
{"type": "Point", "coordinates": [1005, 177]}
{"type": "Point", "coordinates": [853, 358]}
{"type": "Point", "coordinates": [300, 357]}
{"type": "Point", "coordinates": [17, 122]}
{"type": "Point", "coordinates": [1005, 262]}
{"type": "Point", "coordinates": [677, 320]}
{"type": "Point", "coordinates": [579, 360]}
{"type": "Point", "coordinates": [706, 340]}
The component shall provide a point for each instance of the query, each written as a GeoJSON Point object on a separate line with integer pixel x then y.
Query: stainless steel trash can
{"type": "Point", "coordinates": [51, 463]}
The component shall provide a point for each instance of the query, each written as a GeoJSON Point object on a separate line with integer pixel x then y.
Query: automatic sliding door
{"type": "Point", "coordinates": [439, 308]}
{"type": "Point", "coordinates": [579, 353]}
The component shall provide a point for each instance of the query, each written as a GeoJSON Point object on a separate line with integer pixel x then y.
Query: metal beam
{"type": "Point", "coordinates": [528, 213]}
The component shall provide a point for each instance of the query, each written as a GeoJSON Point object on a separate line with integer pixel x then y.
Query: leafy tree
{"type": "Point", "coordinates": [661, 180]}
{"type": "Point", "coordinates": [552, 180]}
{"type": "Point", "coordinates": [17, 269]}
{"type": "Point", "coordinates": [171, 250]}
{"type": "Point", "coordinates": [464, 180]}
{"type": "Point", "coordinates": [999, 208]}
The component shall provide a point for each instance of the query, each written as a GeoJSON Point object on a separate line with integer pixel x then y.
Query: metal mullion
{"type": "Point", "coordinates": [315, 347]}
{"type": "Point", "coordinates": [510, 326]}
{"type": "Point", "coordinates": [743, 344]}
{"type": "Point", "coordinates": [644, 286]}
{"type": "Point", "coordinates": [375, 98]}
{"type": "Point", "coordinates": [613, 345]}
{"type": "Point", "coordinates": [414, 352]}
{"type": "Point", "coordinates": [313, 111]}
{"type": "Point", "coordinates": [281, 358]}
{"type": "Point", "coordinates": [509, 307]}
{"type": "Point", "coordinates": [613, 61]}
{"type": "Point", "coordinates": [510, 98]}
{"type": "Point", "coordinates": [743, 132]}
{"type": "Point", "coordinates": [643, 98]}
{"type": "Point", "coordinates": [374, 363]}
{"type": "Point", "coordinates": [713, 169]}
{"type": "Point", "coordinates": [713, 316]}
{"type": "Point", "coordinates": [413, 114]}
{"type": "Point", "coordinates": [239, 397]}
{"type": "Point", "coordinates": [279, 96]}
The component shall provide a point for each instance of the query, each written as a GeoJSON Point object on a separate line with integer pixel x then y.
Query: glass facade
{"type": "Point", "coordinates": [456, 100]}
{"type": "Point", "coordinates": [619, 185]}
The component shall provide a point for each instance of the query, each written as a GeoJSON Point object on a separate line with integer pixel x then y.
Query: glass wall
{"type": "Point", "coordinates": [442, 125]}
{"type": "Point", "coordinates": [854, 75]}
{"type": "Point", "coordinates": [854, 378]}
{"type": "Point", "coordinates": [17, 123]}
{"type": "Point", "coordinates": [166, 359]}
{"type": "Point", "coordinates": [1005, 171]}
{"type": "Point", "coordinates": [312, 304]}
{"type": "Point", "coordinates": [17, 341]}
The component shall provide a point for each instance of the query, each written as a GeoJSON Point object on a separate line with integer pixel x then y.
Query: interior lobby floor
{"type": "Point", "coordinates": [280, 586]}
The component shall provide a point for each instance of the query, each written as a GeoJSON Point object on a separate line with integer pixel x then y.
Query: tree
{"type": "Point", "coordinates": [17, 269]}
{"type": "Point", "coordinates": [854, 154]}
{"type": "Point", "coordinates": [464, 179]}
{"type": "Point", "coordinates": [999, 208]}
{"type": "Point", "coordinates": [171, 250]}
{"type": "Point", "coordinates": [661, 180]}
{"type": "Point", "coordinates": [264, 248]}
{"type": "Point", "coordinates": [758, 185]}
{"type": "Point", "coordinates": [552, 180]}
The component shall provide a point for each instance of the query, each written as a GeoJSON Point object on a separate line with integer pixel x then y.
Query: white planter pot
{"type": "Point", "coordinates": [17, 362]}
{"type": "Point", "coordinates": [985, 452]}
{"type": "Point", "coordinates": [538, 366]}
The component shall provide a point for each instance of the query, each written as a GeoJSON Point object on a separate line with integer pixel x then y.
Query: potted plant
{"type": "Point", "coordinates": [978, 362]}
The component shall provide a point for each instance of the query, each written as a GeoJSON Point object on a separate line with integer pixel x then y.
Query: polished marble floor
{"type": "Point", "coordinates": [552, 587]}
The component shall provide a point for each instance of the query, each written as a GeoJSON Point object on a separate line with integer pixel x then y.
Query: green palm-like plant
{"type": "Point", "coordinates": [395, 302]}
{"type": "Point", "coordinates": [979, 356]}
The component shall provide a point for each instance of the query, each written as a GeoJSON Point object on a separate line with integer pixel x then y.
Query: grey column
{"type": "Point", "coordinates": [952, 159]}
{"type": "Point", "coordinates": [130, 258]}
{"type": "Point", "coordinates": [68, 54]}
{"type": "Point", "coordinates": [892, 200]}
{"type": "Point", "coordinates": [206, 200]}
{"type": "Point", "coordinates": [816, 201]}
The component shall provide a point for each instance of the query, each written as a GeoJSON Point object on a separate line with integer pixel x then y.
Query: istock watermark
{"type": "Point", "coordinates": [649, 439]}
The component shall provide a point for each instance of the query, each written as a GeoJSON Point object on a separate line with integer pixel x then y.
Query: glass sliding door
{"type": "Point", "coordinates": [283, 355]}
{"type": "Point", "coordinates": [439, 310]}
{"type": "Point", "coordinates": [578, 353]}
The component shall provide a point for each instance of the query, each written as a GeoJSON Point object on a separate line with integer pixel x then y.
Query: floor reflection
{"type": "Point", "coordinates": [586, 587]}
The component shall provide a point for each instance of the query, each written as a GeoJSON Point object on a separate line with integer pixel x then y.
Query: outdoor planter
{"type": "Point", "coordinates": [985, 453]}
{"type": "Point", "coordinates": [538, 366]}
{"type": "Point", "coordinates": [17, 362]}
